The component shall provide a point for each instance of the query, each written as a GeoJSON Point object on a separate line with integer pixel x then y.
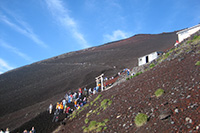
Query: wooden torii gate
{"type": "Point", "coordinates": [100, 78]}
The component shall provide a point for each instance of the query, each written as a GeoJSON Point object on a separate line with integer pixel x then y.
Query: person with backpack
{"type": "Point", "coordinates": [61, 108]}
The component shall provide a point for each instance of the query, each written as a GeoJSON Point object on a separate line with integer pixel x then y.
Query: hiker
{"type": "Point", "coordinates": [58, 106]}
{"type": "Point", "coordinates": [79, 94]}
{"type": "Point", "coordinates": [80, 90]}
{"type": "Point", "coordinates": [81, 104]}
{"type": "Point", "coordinates": [1, 131]}
{"type": "Point", "coordinates": [176, 44]}
{"type": "Point", "coordinates": [74, 95]}
{"type": "Point", "coordinates": [84, 100]}
{"type": "Point", "coordinates": [66, 97]}
{"type": "Point", "coordinates": [78, 107]}
{"type": "Point", "coordinates": [85, 91]}
{"type": "Point", "coordinates": [64, 102]}
{"type": "Point", "coordinates": [67, 111]}
{"type": "Point", "coordinates": [69, 99]}
{"type": "Point", "coordinates": [61, 107]}
{"type": "Point", "coordinates": [94, 90]}
{"type": "Point", "coordinates": [7, 130]}
{"type": "Point", "coordinates": [97, 88]}
{"type": "Point", "coordinates": [75, 103]}
{"type": "Point", "coordinates": [55, 117]}
{"type": "Point", "coordinates": [25, 131]}
{"type": "Point", "coordinates": [50, 108]}
{"type": "Point", "coordinates": [65, 107]}
{"type": "Point", "coordinates": [90, 91]}
{"type": "Point", "coordinates": [33, 130]}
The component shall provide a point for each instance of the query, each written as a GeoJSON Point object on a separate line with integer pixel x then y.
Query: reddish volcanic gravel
{"type": "Point", "coordinates": [177, 110]}
{"type": "Point", "coordinates": [26, 92]}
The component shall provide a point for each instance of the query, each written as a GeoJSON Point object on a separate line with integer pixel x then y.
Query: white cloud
{"type": "Point", "coordinates": [56, 7]}
{"type": "Point", "coordinates": [23, 28]}
{"type": "Point", "coordinates": [14, 50]}
{"type": "Point", "coordinates": [4, 66]}
{"type": "Point", "coordinates": [116, 35]}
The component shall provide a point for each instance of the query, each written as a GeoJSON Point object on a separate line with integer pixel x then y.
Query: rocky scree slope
{"type": "Point", "coordinates": [176, 110]}
{"type": "Point", "coordinates": [26, 92]}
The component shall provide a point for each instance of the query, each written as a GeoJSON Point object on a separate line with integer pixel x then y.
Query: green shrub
{"type": "Point", "coordinates": [109, 103]}
{"type": "Point", "coordinates": [197, 63]}
{"type": "Point", "coordinates": [92, 125]}
{"type": "Point", "coordinates": [189, 41]}
{"type": "Point", "coordinates": [100, 124]}
{"type": "Point", "coordinates": [137, 74]}
{"type": "Point", "coordinates": [91, 103]}
{"type": "Point", "coordinates": [106, 120]}
{"type": "Point", "coordinates": [104, 102]}
{"type": "Point", "coordinates": [159, 92]}
{"type": "Point", "coordinates": [152, 65]}
{"type": "Point", "coordinates": [127, 78]}
{"type": "Point", "coordinates": [195, 37]}
{"type": "Point", "coordinates": [166, 55]}
{"type": "Point", "coordinates": [86, 130]}
{"type": "Point", "coordinates": [99, 129]}
{"type": "Point", "coordinates": [88, 114]}
{"type": "Point", "coordinates": [140, 119]}
{"type": "Point", "coordinates": [86, 121]}
{"type": "Point", "coordinates": [131, 77]}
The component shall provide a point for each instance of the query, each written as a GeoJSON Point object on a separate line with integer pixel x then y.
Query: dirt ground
{"type": "Point", "coordinates": [26, 92]}
{"type": "Point", "coordinates": [177, 110]}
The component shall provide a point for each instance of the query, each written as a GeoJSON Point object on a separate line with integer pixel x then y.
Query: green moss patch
{"type": "Point", "coordinates": [86, 121]}
{"type": "Point", "coordinates": [197, 63]}
{"type": "Point", "coordinates": [137, 74]}
{"type": "Point", "coordinates": [159, 92]}
{"type": "Point", "coordinates": [95, 126]}
{"type": "Point", "coordinates": [105, 103]}
{"type": "Point", "coordinates": [152, 65]}
{"type": "Point", "coordinates": [91, 103]}
{"type": "Point", "coordinates": [140, 119]}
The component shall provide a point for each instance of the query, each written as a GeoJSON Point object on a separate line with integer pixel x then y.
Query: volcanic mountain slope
{"type": "Point", "coordinates": [176, 110]}
{"type": "Point", "coordinates": [27, 91]}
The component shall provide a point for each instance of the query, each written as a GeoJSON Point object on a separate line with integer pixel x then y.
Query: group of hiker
{"type": "Point", "coordinates": [71, 101]}
{"type": "Point", "coordinates": [75, 100]}
{"type": "Point", "coordinates": [31, 131]}
{"type": "Point", "coordinates": [7, 131]}
{"type": "Point", "coordinates": [25, 131]}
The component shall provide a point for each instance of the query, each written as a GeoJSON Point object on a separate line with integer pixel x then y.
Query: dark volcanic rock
{"type": "Point", "coordinates": [164, 114]}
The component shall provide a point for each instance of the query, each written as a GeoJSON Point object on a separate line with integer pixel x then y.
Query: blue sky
{"type": "Point", "coordinates": [33, 30]}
